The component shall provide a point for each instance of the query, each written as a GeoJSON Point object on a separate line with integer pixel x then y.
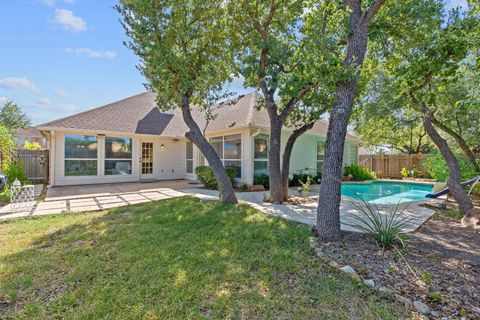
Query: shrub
{"type": "Point", "coordinates": [32, 146]}
{"type": "Point", "coordinates": [262, 179]}
{"type": "Point", "coordinates": [412, 173]}
{"type": "Point", "coordinates": [297, 178]}
{"type": "Point", "coordinates": [358, 173]}
{"type": "Point", "coordinates": [306, 186]}
{"type": "Point", "coordinates": [437, 168]}
{"type": "Point", "coordinates": [384, 229]}
{"type": "Point", "coordinates": [14, 171]}
{"type": "Point", "coordinates": [7, 145]}
{"type": "Point", "coordinates": [243, 187]}
{"type": "Point", "coordinates": [206, 177]}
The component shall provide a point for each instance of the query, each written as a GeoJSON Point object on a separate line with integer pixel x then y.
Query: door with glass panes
{"type": "Point", "coordinates": [147, 160]}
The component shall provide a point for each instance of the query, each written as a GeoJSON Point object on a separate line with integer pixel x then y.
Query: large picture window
{"type": "Point", "coordinates": [260, 155]}
{"type": "Point", "coordinates": [320, 155]}
{"type": "Point", "coordinates": [189, 157]}
{"type": "Point", "coordinates": [229, 149]}
{"type": "Point", "coordinates": [118, 156]}
{"type": "Point", "coordinates": [80, 155]}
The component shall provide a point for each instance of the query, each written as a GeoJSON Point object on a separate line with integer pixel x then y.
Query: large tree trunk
{"type": "Point", "coordinates": [328, 214]}
{"type": "Point", "coordinates": [287, 154]}
{"type": "Point", "coordinates": [274, 166]}
{"type": "Point", "coordinates": [227, 194]}
{"type": "Point", "coordinates": [460, 141]}
{"type": "Point", "coordinates": [454, 178]}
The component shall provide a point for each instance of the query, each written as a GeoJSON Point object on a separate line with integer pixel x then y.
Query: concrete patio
{"type": "Point", "coordinates": [101, 197]}
{"type": "Point", "coordinates": [307, 213]}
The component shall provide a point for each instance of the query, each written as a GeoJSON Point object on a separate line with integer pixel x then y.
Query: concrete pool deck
{"type": "Point", "coordinates": [307, 213]}
{"type": "Point", "coordinates": [95, 198]}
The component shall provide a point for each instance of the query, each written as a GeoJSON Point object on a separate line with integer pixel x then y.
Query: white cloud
{"type": "Point", "coordinates": [62, 93]}
{"type": "Point", "coordinates": [69, 108]}
{"type": "Point", "coordinates": [462, 4]}
{"type": "Point", "coordinates": [94, 54]}
{"type": "Point", "coordinates": [69, 21]}
{"type": "Point", "coordinates": [18, 83]}
{"type": "Point", "coordinates": [52, 3]}
{"type": "Point", "coordinates": [43, 102]}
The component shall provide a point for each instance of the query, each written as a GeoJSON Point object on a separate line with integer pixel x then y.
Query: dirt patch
{"type": "Point", "coordinates": [440, 266]}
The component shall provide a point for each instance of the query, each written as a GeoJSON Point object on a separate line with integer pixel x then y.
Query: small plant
{"type": "Point", "coordinates": [452, 214]}
{"type": "Point", "coordinates": [412, 173]}
{"type": "Point", "coordinates": [385, 229]}
{"type": "Point", "coordinates": [426, 276]}
{"type": "Point", "coordinates": [261, 179]}
{"type": "Point", "coordinates": [15, 170]}
{"type": "Point", "coordinates": [206, 177]}
{"type": "Point", "coordinates": [243, 187]}
{"type": "Point", "coordinates": [358, 173]}
{"type": "Point", "coordinates": [436, 296]}
{"type": "Point", "coordinates": [265, 197]}
{"type": "Point", "coordinates": [305, 186]}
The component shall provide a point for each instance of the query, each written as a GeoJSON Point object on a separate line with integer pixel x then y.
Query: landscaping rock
{"type": "Point", "coordinates": [407, 302]}
{"type": "Point", "coordinates": [472, 219]}
{"type": "Point", "coordinates": [421, 307]}
{"type": "Point", "coordinates": [385, 290]}
{"type": "Point", "coordinates": [334, 264]}
{"type": "Point", "coordinates": [435, 314]}
{"type": "Point", "coordinates": [256, 188]}
{"type": "Point", "coordinates": [348, 269]}
{"type": "Point", "coordinates": [369, 282]}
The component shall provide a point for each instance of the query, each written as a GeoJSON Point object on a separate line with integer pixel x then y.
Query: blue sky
{"type": "Point", "coordinates": [60, 57]}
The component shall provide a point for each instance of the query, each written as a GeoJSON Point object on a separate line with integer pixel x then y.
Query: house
{"type": "Point", "coordinates": [30, 134]}
{"type": "Point", "coordinates": [132, 140]}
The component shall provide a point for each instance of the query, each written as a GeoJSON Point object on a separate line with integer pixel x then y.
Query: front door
{"type": "Point", "coordinates": [146, 161]}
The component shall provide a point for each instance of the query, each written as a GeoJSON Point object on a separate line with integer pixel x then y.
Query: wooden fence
{"type": "Point", "coordinates": [390, 165]}
{"type": "Point", "coordinates": [35, 164]}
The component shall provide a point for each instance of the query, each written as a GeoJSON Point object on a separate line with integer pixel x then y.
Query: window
{"type": "Point", "coordinates": [189, 157]}
{"type": "Point", "coordinates": [229, 149]}
{"type": "Point", "coordinates": [320, 155]}
{"type": "Point", "coordinates": [260, 155]}
{"type": "Point", "coordinates": [80, 155]}
{"type": "Point", "coordinates": [118, 156]}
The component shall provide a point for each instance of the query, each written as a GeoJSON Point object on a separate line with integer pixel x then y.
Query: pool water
{"type": "Point", "coordinates": [385, 192]}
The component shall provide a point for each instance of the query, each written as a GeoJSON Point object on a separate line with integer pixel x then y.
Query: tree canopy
{"type": "Point", "coordinates": [12, 116]}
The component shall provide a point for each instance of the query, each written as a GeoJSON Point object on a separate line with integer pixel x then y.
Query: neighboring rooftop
{"type": "Point", "coordinates": [28, 132]}
{"type": "Point", "coordinates": [139, 114]}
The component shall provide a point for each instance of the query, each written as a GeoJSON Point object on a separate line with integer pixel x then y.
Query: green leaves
{"type": "Point", "coordinates": [182, 45]}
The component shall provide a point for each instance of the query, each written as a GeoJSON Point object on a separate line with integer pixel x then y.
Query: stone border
{"type": "Point", "coordinates": [418, 305]}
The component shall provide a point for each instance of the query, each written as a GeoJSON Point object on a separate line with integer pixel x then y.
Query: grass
{"type": "Point", "coordinates": [175, 259]}
{"type": "Point", "coordinates": [454, 214]}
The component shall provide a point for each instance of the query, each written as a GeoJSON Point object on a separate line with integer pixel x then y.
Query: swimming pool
{"type": "Point", "coordinates": [386, 192]}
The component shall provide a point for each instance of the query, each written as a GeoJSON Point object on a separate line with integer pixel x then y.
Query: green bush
{"type": "Point", "coordinates": [437, 168]}
{"type": "Point", "coordinates": [297, 178]}
{"type": "Point", "coordinates": [261, 179]}
{"type": "Point", "coordinates": [358, 173]}
{"type": "Point", "coordinates": [15, 170]}
{"type": "Point", "coordinates": [206, 177]}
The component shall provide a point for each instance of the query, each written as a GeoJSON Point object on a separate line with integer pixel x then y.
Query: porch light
{"type": "Point", "coordinates": [162, 146]}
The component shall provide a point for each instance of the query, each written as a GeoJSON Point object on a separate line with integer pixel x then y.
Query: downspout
{"type": "Point", "coordinates": [52, 159]}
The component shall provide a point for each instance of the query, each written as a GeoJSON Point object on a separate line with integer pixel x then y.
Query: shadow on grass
{"type": "Point", "coordinates": [179, 258]}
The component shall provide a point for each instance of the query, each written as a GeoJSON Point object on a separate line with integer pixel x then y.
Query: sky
{"type": "Point", "coordinates": [60, 57]}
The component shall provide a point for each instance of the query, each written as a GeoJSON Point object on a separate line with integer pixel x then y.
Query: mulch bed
{"type": "Point", "coordinates": [443, 267]}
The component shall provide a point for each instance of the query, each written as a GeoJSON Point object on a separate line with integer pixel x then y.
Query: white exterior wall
{"type": "Point", "coordinates": [169, 162]}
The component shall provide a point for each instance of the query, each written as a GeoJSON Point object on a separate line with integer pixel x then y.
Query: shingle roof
{"type": "Point", "coordinates": [29, 132]}
{"type": "Point", "coordinates": [139, 114]}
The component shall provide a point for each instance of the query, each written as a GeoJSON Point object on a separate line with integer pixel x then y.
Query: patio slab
{"type": "Point", "coordinates": [307, 213]}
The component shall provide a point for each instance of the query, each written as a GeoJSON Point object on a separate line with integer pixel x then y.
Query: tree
{"type": "Point", "coordinates": [185, 56]}
{"type": "Point", "coordinates": [421, 71]}
{"type": "Point", "coordinates": [328, 214]}
{"type": "Point", "coordinates": [7, 145]}
{"type": "Point", "coordinates": [12, 117]}
{"type": "Point", "coordinates": [287, 50]}
{"type": "Point", "coordinates": [382, 121]}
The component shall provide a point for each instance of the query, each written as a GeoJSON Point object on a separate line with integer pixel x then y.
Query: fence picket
{"type": "Point", "coordinates": [390, 165]}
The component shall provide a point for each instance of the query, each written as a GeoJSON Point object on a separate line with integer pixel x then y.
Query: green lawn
{"type": "Point", "coordinates": [174, 259]}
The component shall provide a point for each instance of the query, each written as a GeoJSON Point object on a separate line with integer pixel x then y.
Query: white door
{"type": "Point", "coordinates": [147, 161]}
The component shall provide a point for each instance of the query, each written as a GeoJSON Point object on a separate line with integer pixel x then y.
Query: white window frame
{"type": "Point", "coordinates": [65, 159]}
{"type": "Point", "coordinates": [187, 144]}
{"type": "Point", "coordinates": [119, 159]}
{"type": "Point", "coordinates": [322, 160]}
{"type": "Point", "coordinates": [223, 151]}
{"type": "Point", "coordinates": [260, 159]}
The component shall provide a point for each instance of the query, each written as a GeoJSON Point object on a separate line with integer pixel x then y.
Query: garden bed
{"type": "Point", "coordinates": [444, 257]}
